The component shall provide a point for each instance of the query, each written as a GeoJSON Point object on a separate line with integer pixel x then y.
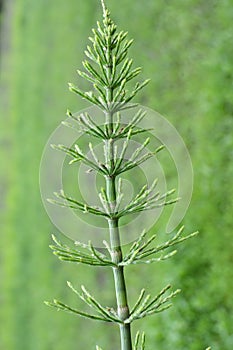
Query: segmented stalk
{"type": "Point", "coordinates": [118, 272]}
{"type": "Point", "coordinates": [116, 251]}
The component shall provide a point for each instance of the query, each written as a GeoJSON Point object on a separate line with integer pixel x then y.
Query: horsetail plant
{"type": "Point", "coordinates": [109, 70]}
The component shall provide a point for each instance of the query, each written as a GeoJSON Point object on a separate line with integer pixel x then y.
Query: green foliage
{"type": "Point", "coordinates": [110, 50]}
{"type": "Point", "coordinates": [186, 48]}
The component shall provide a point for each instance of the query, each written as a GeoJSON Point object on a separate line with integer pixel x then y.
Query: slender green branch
{"type": "Point", "coordinates": [140, 248]}
{"type": "Point", "coordinates": [92, 257]}
{"type": "Point", "coordinates": [61, 306]}
{"type": "Point", "coordinates": [137, 345]}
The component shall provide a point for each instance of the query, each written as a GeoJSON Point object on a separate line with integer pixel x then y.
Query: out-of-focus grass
{"type": "Point", "coordinates": [46, 47]}
{"type": "Point", "coordinates": [185, 48]}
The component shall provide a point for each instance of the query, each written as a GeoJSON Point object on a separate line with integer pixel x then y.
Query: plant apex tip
{"type": "Point", "coordinates": [104, 7]}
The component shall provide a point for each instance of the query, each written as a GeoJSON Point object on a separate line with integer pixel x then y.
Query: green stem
{"type": "Point", "coordinates": [118, 272]}
{"type": "Point", "coordinates": [116, 251]}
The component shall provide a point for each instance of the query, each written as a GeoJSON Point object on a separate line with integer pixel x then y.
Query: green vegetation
{"type": "Point", "coordinates": [186, 49]}
{"type": "Point", "coordinates": [109, 70]}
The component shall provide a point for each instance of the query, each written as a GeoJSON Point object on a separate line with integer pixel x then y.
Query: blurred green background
{"type": "Point", "coordinates": [185, 47]}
